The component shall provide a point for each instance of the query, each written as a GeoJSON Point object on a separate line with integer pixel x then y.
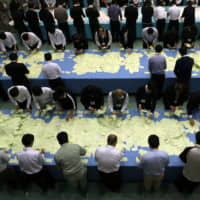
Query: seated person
{"type": "Point", "coordinates": [192, 105]}
{"type": "Point", "coordinates": [92, 98]}
{"type": "Point", "coordinates": [149, 36]}
{"type": "Point", "coordinates": [175, 95]}
{"type": "Point", "coordinates": [170, 39]}
{"type": "Point", "coordinates": [31, 41]}
{"type": "Point", "coordinates": [126, 39]}
{"type": "Point", "coordinates": [20, 97]}
{"type": "Point", "coordinates": [31, 165]}
{"type": "Point", "coordinates": [42, 96]}
{"type": "Point", "coordinates": [103, 38]}
{"type": "Point", "coordinates": [118, 100]}
{"type": "Point", "coordinates": [7, 42]}
{"type": "Point", "coordinates": [146, 98]}
{"type": "Point", "coordinates": [189, 36]}
{"type": "Point", "coordinates": [57, 39]}
{"type": "Point", "coordinates": [65, 101]}
{"type": "Point", "coordinates": [80, 43]}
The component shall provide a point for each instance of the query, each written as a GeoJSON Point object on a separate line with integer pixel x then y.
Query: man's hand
{"type": "Point", "coordinates": [150, 116]}
{"type": "Point", "coordinates": [119, 114]}
{"type": "Point", "coordinates": [140, 107]}
{"type": "Point", "coordinates": [173, 108]}
{"type": "Point", "coordinates": [139, 157]}
{"type": "Point", "coordinates": [107, 46]}
{"type": "Point", "coordinates": [101, 107]}
{"type": "Point", "coordinates": [91, 108]}
{"type": "Point", "coordinates": [6, 53]}
{"type": "Point", "coordinates": [192, 122]}
{"type": "Point", "coordinates": [112, 113]}
{"type": "Point", "coordinates": [63, 49]}
{"type": "Point", "coordinates": [17, 107]}
{"type": "Point", "coordinates": [40, 110]}
{"type": "Point", "coordinates": [128, 51]}
{"type": "Point", "coordinates": [42, 151]}
{"type": "Point", "coordinates": [28, 109]}
{"type": "Point", "coordinates": [15, 49]}
{"type": "Point", "coordinates": [36, 49]}
{"type": "Point", "coordinates": [68, 118]}
{"type": "Point", "coordinates": [180, 107]}
{"type": "Point", "coordinates": [100, 47]}
{"type": "Point", "coordinates": [56, 50]}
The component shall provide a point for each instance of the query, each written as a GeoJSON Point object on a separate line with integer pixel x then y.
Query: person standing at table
{"type": "Point", "coordinates": [33, 21]}
{"type": "Point", "coordinates": [52, 71]}
{"type": "Point", "coordinates": [149, 36]}
{"type": "Point", "coordinates": [60, 14]}
{"type": "Point", "coordinates": [160, 15]}
{"type": "Point", "coordinates": [92, 14]}
{"type": "Point", "coordinates": [114, 12]}
{"type": "Point", "coordinates": [174, 14]}
{"type": "Point", "coordinates": [175, 95]}
{"type": "Point", "coordinates": [108, 163]}
{"type": "Point", "coordinates": [31, 41]}
{"type": "Point", "coordinates": [20, 97]}
{"type": "Point", "coordinates": [183, 68]}
{"type": "Point", "coordinates": [92, 98]}
{"type": "Point", "coordinates": [157, 67]}
{"type": "Point", "coordinates": [188, 14]}
{"type": "Point", "coordinates": [67, 159]}
{"type": "Point", "coordinates": [147, 14]}
{"type": "Point", "coordinates": [118, 100]}
{"type": "Point", "coordinates": [190, 178]}
{"type": "Point", "coordinates": [47, 18]}
{"type": "Point", "coordinates": [193, 105]}
{"type": "Point", "coordinates": [17, 71]}
{"type": "Point", "coordinates": [7, 42]}
{"type": "Point", "coordinates": [153, 163]}
{"type": "Point", "coordinates": [77, 15]}
{"type": "Point", "coordinates": [103, 38]}
{"type": "Point", "coordinates": [42, 96]}
{"type": "Point", "coordinates": [57, 39]}
{"type": "Point", "coordinates": [65, 101]}
{"type": "Point", "coordinates": [146, 98]}
{"type": "Point", "coordinates": [131, 15]}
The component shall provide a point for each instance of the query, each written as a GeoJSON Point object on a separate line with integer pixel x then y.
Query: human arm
{"type": "Point", "coordinates": [183, 155]}
{"type": "Point", "coordinates": [51, 40]}
{"type": "Point", "coordinates": [37, 105]}
{"type": "Point", "coordinates": [97, 40]}
{"type": "Point", "coordinates": [82, 151]}
{"type": "Point", "coordinates": [109, 38]}
{"type": "Point", "coordinates": [110, 102]}
{"type": "Point", "coordinates": [125, 103]}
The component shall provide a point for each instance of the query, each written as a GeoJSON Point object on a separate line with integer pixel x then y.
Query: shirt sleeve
{"type": "Point", "coordinates": [144, 36]}
{"type": "Point", "coordinates": [39, 43]}
{"type": "Point", "coordinates": [125, 103]}
{"type": "Point", "coordinates": [51, 40]}
{"type": "Point", "coordinates": [109, 38]}
{"type": "Point", "coordinates": [28, 97]}
{"type": "Point", "coordinates": [5, 157]}
{"type": "Point", "coordinates": [110, 102]}
{"type": "Point", "coordinates": [2, 46]}
{"type": "Point", "coordinates": [41, 158]}
{"type": "Point", "coordinates": [97, 39]}
{"type": "Point", "coordinates": [63, 39]}
{"type": "Point", "coordinates": [12, 99]}
{"type": "Point", "coordinates": [155, 36]}
{"type": "Point", "coordinates": [73, 102]}
{"type": "Point", "coordinates": [13, 39]}
{"type": "Point", "coordinates": [59, 69]}
{"type": "Point", "coordinates": [37, 105]}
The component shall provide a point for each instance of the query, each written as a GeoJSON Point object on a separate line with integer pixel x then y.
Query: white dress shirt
{"type": "Point", "coordinates": [108, 159]}
{"type": "Point", "coordinates": [33, 40]}
{"type": "Point", "coordinates": [57, 38]}
{"type": "Point", "coordinates": [110, 102]}
{"type": "Point", "coordinates": [51, 70]}
{"type": "Point", "coordinates": [4, 159]}
{"type": "Point", "coordinates": [30, 161]}
{"type": "Point", "coordinates": [174, 12]}
{"type": "Point", "coordinates": [159, 13]}
{"type": "Point", "coordinates": [22, 96]}
{"type": "Point", "coordinates": [9, 42]}
{"type": "Point", "coordinates": [45, 98]}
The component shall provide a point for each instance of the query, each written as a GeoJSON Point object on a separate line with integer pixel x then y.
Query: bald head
{"type": "Point", "coordinates": [112, 140]}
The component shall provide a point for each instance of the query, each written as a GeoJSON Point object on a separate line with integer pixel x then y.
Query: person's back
{"type": "Point", "coordinates": [32, 18]}
{"type": "Point", "coordinates": [189, 15]}
{"type": "Point", "coordinates": [147, 13]}
{"type": "Point", "coordinates": [131, 14]}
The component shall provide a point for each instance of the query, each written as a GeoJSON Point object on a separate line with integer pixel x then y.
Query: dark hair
{"type": "Point", "coordinates": [173, 2]}
{"type": "Point", "coordinates": [47, 56]}
{"type": "Point", "coordinates": [112, 139]}
{"type": "Point", "coordinates": [114, 1]}
{"type": "Point", "coordinates": [13, 56]}
{"type": "Point", "coordinates": [52, 29]}
{"type": "Point", "coordinates": [150, 85]}
{"type": "Point", "coordinates": [158, 48]}
{"type": "Point", "coordinates": [62, 137]}
{"type": "Point", "coordinates": [90, 2]}
{"type": "Point", "coordinates": [150, 31]}
{"type": "Point", "coordinates": [37, 90]}
{"type": "Point", "coordinates": [27, 139]}
{"type": "Point", "coordinates": [153, 141]}
{"type": "Point", "coordinates": [14, 92]}
{"type": "Point", "coordinates": [31, 5]}
{"type": "Point", "coordinates": [25, 36]}
{"type": "Point", "coordinates": [197, 137]}
{"type": "Point", "coordinates": [189, 3]}
{"type": "Point", "coordinates": [183, 51]}
{"type": "Point", "coordinates": [2, 35]}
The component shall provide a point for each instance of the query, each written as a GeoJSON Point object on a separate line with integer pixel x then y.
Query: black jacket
{"type": "Point", "coordinates": [189, 15]}
{"type": "Point", "coordinates": [77, 13]}
{"type": "Point", "coordinates": [92, 14]}
{"type": "Point", "coordinates": [194, 102]}
{"type": "Point", "coordinates": [131, 14]}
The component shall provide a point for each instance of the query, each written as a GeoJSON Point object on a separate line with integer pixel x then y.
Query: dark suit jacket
{"type": "Point", "coordinates": [131, 14]}
{"type": "Point", "coordinates": [92, 94]}
{"type": "Point", "coordinates": [32, 19]}
{"type": "Point", "coordinates": [189, 16]}
{"type": "Point", "coordinates": [77, 13]}
{"type": "Point", "coordinates": [17, 72]}
{"type": "Point", "coordinates": [170, 96]}
{"type": "Point", "coordinates": [47, 18]}
{"type": "Point", "coordinates": [147, 100]}
{"type": "Point", "coordinates": [183, 68]}
{"type": "Point", "coordinates": [92, 14]}
{"type": "Point", "coordinates": [147, 13]}
{"type": "Point", "coordinates": [194, 102]}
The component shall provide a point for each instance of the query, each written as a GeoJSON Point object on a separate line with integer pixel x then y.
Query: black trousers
{"type": "Point", "coordinates": [158, 82]}
{"type": "Point", "coordinates": [145, 44]}
{"type": "Point", "coordinates": [60, 46]}
{"type": "Point", "coordinates": [65, 29]}
{"type": "Point", "coordinates": [146, 24]}
{"type": "Point", "coordinates": [33, 47]}
{"type": "Point", "coordinates": [58, 82]}
{"type": "Point", "coordinates": [42, 179]}
{"type": "Point", "coordinates": [115, 29]}
{"type": "Point", "coordinates": [111, 180]}
{"type": "Point", "coordinates": [173, 24]}
{"type": "Point", "coordinates": [160, 24]}
{"type": "Point", "coordinates": [94, 27]}
{"type": "Point", "coordinates": [22, 105]}
{"type": "Point", "coordinates": [36, 29]}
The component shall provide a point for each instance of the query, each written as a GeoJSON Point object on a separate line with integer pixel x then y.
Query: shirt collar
{"type": "Point", "coordinates": [90, 6]}
{"type": "Point", "coordinates": [27, 148]}
{"type": "Point", "coordinates": [110, 146]}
